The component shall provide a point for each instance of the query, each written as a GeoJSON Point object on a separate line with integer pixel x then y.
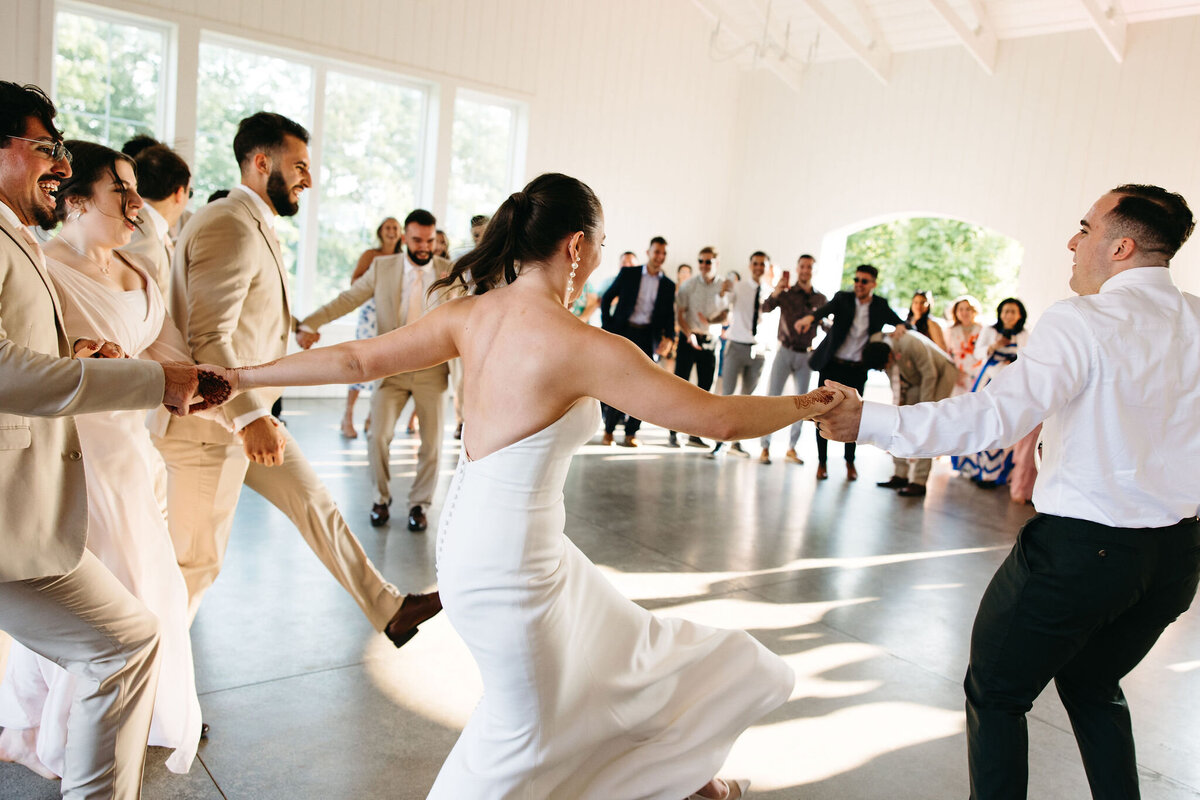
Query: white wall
{"type": "Point", "coordinates": [1024, 152]}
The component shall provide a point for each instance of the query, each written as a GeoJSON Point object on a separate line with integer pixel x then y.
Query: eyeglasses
{"type": "Point", "coordinates": [862, 280]}
{"type": "Point", "coordinates": [703, 260]}
{"type": "Point", "coordinates": [191, 193]}
{"type": "Point", "coordinates": [55, 151]}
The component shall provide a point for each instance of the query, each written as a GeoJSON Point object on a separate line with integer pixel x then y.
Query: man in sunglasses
{"type": "Point", "coordinates": [857, 315]}
{"type": "Point", "coordinates": [701, 302]}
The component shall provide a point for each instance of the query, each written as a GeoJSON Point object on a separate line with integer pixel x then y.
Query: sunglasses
{"type": "Point", "coordinates": [55, 151]}
{"type": "Point", "coordinates": [703, 260]}
{"type": "Point", "coordinates": [862, 280]}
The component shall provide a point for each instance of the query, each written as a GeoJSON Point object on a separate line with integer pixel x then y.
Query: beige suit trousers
{"type": "Point", "coordinates": [204, 482]}
{"type": "Point", "coordinates": [89, 624]}
{"type": "Point", "coordinates": [916, 470]}
{"type": "Point", "coordinates": [427, 388]}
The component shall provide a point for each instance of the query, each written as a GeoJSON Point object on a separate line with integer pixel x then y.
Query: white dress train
{"type": "Point", "coordinates": [126, 531]}
{"type": "Point", "coordinates": [586, 694]}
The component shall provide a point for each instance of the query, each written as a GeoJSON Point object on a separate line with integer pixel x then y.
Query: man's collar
{"type": "Point", "coordinates": [10, 216]}
{"type": "Point", "coordinates": [259, 203]}
{"type": "Point", "coordinates": [157, 220]}
{"type": "Point", "coordinates": [1153, 276]}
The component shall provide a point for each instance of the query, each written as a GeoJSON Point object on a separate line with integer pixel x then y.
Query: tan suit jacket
{"type": "Point", "coordinates": [229, 298]}
{"type": "Point", "coordinates": [42, 484]}
{"type": "Point", "coordinates": [383, 280]}
{"type": "Point", "coordinates": [154, 252]}
{"type": "Point", "coordinates": [926, 372]}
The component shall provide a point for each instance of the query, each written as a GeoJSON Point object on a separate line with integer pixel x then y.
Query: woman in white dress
{"type": "Point", "coordinates": [108, 298]}
{"type": "Point", "coordinates": [586, 694]}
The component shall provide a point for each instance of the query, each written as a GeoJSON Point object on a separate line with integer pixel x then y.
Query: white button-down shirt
{"type": "Point", "coordinates": [1114, 375]}
{"type": "Point", "coordinates": [741, 315]}
{"type": "Point", "coordinates": [856, 337]}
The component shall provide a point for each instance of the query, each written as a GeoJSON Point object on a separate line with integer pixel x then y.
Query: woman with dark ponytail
{"type": "Point", "coordinates": [586, 695]}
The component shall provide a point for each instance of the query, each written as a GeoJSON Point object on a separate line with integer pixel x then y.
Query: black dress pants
{"type": "Point", "coordinates": [643, 338]}
{"type": "Point", "coordinates": [851, 374]}
{"type": "Point", "coordinates": [704, 362]}
{"type": "Point", "coordinates": [1080, 603]}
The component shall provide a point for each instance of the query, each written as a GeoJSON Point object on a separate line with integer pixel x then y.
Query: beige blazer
{"type": "Point", "coordinates": [383, 280]}
{"type": "Point", "coordinates": [154, 252]}
{"type": "Point", "coordinates": [229, 299]}
{"type": "Point", "coordinates": [42, 484]}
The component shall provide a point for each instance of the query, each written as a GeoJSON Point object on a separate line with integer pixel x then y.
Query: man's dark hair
{"type": "Point", "coordinates": [264, 132]}
{"type": "Point", "coordinates": [17, 104]}
{"type": "Point", "coordinates": [137, 144]}
{"type": "Point", "coordinates": [759, 253]}
{"type": "Point", "coordinates": [629, 253]}
{"type": "Point", "coordinates": [1157, 220]}
{"type": "Point", "coordinates": [806, 255]}
{"type": "Point", "coordinates": [867, 268]}
{"type": "Point", "coordinates": [161, 172]}
{"type": "Point", "coordinates": [420, 216]}
{"type": "Point", "coordinates": [219, 194]}
{"type": "Point", "coordinates": [658, 240]}
{"type": "Point", "coordinates": [875, 355]}
{"type": "Point", "coordinates": [480, 219]}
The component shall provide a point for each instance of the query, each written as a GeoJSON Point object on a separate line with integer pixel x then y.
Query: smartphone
{"type": "Point", "coordinates": [787, 277]}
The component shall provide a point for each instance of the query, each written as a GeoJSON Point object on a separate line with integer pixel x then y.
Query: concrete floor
{"type": "Point", "coordinates": [868, 596]}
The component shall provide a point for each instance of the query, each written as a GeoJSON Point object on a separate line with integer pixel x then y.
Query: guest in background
{"type": "Point", "coordinates": [628, 259]}
{"type": "Point", "coordinates": [588, 302]}
{"type": "Point", "coordinates": [995, 349]}
{"type": "Point", "coordinates": [165, 184]}
{"type": "Point", "coordinates": [109, 297]}
{"type": "Point", "coordinates": [442, 248]}
{"type": "Point", "coordinates": [682, 273]}
{"type": "Point", "coordinates": [857, 315]}
{"type": "Point", "coordinates": [389, 238]}
{"type": "Point", "coordinates": [645, 315]}
{"type": "Point", "coordinates": [960, 341]}
{"type": "Point", "coordinates": [747, 344]}
{"type": "Point", "coordinates": [920, 319]}
{"type": "Point", "coordinates": [795, 349]}
{"type": "Point", "coordinates": [700, 304]}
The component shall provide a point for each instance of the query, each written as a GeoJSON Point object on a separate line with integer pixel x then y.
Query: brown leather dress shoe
{"type": "Point", "coordinates": [379, 515]}
{"type": "Point", "coordinates": [607, 440]}
{"type": "Point", "coordinates": [851, 472]}
{"type": "Point", "coordinates": [822, 472]}
{"type": "Point", "coordinates": [632, 441]}
{"type": "Point", "coordinates": [894, 482]}
{"type": "Point", "coordinates": [415, 609]}
{"type": "Point", "coordinates": [416, 520]}
{"type": "Point", "coordinates": [912, 490]}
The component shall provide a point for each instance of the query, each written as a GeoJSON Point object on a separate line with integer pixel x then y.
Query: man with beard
{"type": "Point", "coordinates": [229, 297]}
{"type": "Point", "coordinates": [400, 284]}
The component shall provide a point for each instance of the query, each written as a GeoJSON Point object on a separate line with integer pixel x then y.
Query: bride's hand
{"type": "Point", "coordinates": [817, 402]}
{"type": "Point", "coordinates": [217, 385]}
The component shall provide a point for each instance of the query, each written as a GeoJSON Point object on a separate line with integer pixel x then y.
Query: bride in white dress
{"type": "Point", "coordinates": [108, 298]}
{"type": "Point", "coordinates": [586, 694]}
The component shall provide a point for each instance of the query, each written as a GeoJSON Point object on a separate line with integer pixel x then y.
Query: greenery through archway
{"type": "Point", "coordinates": [946, 257]}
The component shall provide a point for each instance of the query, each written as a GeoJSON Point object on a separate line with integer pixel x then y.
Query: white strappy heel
{"type": "Point", "coordinates": [742, 784]}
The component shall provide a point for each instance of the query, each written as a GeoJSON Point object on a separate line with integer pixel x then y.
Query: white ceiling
{"type": "Point", "coordinates": [785, 36]}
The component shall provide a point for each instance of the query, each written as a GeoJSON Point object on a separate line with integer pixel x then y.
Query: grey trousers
{"type": "Point", "coordinates": [89, 624]}
{"type": "Point", "coordinates": [739, 364]}
{"type": "Point", "coordinates": [787, 363]}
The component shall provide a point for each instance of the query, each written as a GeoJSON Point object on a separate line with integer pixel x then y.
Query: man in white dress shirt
{"type": "Point", "coordinates": [165, 183]}
{"type": "Point", "coordinates": [747, 339]}
{"type": "Point", "coordinates": [1113, 556]}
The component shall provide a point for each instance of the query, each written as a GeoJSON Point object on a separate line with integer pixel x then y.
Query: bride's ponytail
{"type": "Point", "coordinates": [527, 227]}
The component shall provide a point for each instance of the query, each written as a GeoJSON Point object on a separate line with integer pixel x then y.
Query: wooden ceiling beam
{"type": "Point", "coordinates": [1108, 19]}
{"type": "Point", "coordinates": [875, 55]}
{"type": "Point", "coordinates": [776, 67]}
{"type": "Point", "coordinates": [981, 41]}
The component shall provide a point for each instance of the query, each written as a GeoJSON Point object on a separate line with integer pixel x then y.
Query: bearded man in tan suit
{"type": "Point", "coordinates": [400, 284]}
{"type": "Point", "coordinates": [229, 297]}
{"type": "Point", "coordinates": [56, 597]}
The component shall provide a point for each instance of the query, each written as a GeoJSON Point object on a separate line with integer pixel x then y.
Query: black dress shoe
{"type": "Point", "coordinates": [458, 431]}
{"type": "Point", "coordinates": [416, 520]}
{"type": "Point", "coordinates": [379, 515]}
{"type": "Point", "coordinates": [696, 441]}
{"type": "Point", "coordinates": [415, 609]}
{"type": "Point", "coordinates": [673, 440]}
{"type": "Point", "coordinates": [894, 482]}
{"type": "Point", "coordinates": [912, 490]}
{"type": "Point", "coordinates": [204, 731]}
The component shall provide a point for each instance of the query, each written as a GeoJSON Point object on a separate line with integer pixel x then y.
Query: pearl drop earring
{"type": "Point", "coordinates": [571, 281]}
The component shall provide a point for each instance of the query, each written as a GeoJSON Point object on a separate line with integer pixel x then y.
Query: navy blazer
{"type": "Point", "coordinates": [624, 289]}
{"type": "Point", "coordinates": [842, 308]}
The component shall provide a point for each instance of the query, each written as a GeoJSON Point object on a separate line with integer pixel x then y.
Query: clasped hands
{"type": "Point", "coordinates": [841, 422]}
{"type": "Point", "coordinates": [187, 388]}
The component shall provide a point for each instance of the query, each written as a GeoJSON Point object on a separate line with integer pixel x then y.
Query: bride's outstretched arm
{"type": "Point", "coordinates": [426, 343]}
{"type": "Point", "coordinates": [619, 374]}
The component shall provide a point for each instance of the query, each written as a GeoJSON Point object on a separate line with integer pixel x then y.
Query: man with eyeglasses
{"type": "Point", "coordinates": [700, 303]}
{"type": "Point", "coordinates": [56, 597]}
{"type": "Point", "coordinates": [794, 303]}
{"type": "Point", "coordinates": [165, 183]}
{"type": "Point", "coordinates": [857, 315]}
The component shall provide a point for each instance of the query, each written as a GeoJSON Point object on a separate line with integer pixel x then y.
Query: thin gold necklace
{"type": "Point", "coordinates": [99, 266]}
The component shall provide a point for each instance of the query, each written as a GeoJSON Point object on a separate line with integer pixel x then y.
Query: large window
{"type": "Point", "coordinates": [234, 83]}
{"type": "Point", "coordinates": [109, 76]}
{"type": "Point", "coordinates": [370, 169]}
{"type": "Point", "coordinates": [483, 162]}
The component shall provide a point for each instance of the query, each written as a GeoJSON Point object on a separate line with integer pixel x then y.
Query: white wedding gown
{"type": "Point", "coordinates": [126, 531]}
{"type": "Point", "coordinates": [586, 694]}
